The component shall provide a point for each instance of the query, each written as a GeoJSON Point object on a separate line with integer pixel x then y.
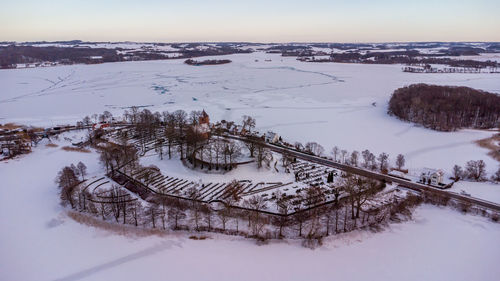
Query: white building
{"type": "Point", "coordinates": [431, 176]}
{"type": "Point", "coordinates": [272, 137]}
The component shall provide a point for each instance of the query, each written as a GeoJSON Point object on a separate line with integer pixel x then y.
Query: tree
{"type": "Point", "coordinates": [176, 212]}
{"type": "Point", "coordinates": [476, 170]}
{"type": "Point", "coordinates": [248, 123]}
{"type": "Point", "coordinates": [118, 202]}
{"type": "Point", "coordinates": [82, 169]}
{"type": "Point", "coordinates": [67, 181]}
{"type": "Point", "coordinates": [496, 176]}
{"type": "Point", "coordinates": [286, 160]}
{"type": "Point", "coordinates": [263, 156]}
{"type": "Point", "coordinates": [314, 196]}
{"type": "Point", "coordinates": [400, 161]}
{"type": "Point", "coordinates": [180, 122]}
{"type": "Point", "coordinates": [284, 206]}
{"type": "Point", "coordinates": [223, 215]}
{"type": "Point", "coordinates": [232, 150]}
{"type": "Point", "coordinates": [87, 121]}
{"type": "Point", "coordinates": [256, 203]}
{"type": "Point", "coordinates": [366, 158]}
{"type": "Point", "coordinates": [343, 154]}
{"type": "Point", "coordinates": [298, 146]}
{"type": "Point", "coordinates": [372, 161]}
{"type": "Point", "coordinates": [193, 193]}
{"type": "Point", "coordinates": [135, 211]}
{"type": "Point", "coordinates": [159, 148]}
{"type": "Point", "coordinates": [106, 116]}
{"type": "Point", "coordinates": [457, 172]}
{"type": "Point", "coordinates": [335, 153]}
{"type": "Point", "coordinates": [354, 158]}
{"type": "Point", "coordinates": [207, 215]}
{"type": "Point", "coordinates": [359, 191]}
{"type": "Point", "coordinates": [152, 211]}
{"type": "Point", "coordinates": [314, 148]}
{"type": "Point", "coordinates": [194, 117]}
{"type": "Point", "coordinates": [383, 162]}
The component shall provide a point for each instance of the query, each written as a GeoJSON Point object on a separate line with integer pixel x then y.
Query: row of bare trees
{"type": "Point", "coordinates": [474, 170]}
{"type": "Point", "coordinates": [67, 180]}
{"type": "Point", "coordinates": [307, 214]}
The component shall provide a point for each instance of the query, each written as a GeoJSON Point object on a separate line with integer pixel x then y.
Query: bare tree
{"type": "Point", "coordinates": [286, 160]}
{"type": "Point", "coordinates": [233, 151]}
{"type": "Point", "coordinates": [82, 169]}
{"type": "Point", "coordinates": [366, 158]}
{"type": "Point", "coordinates": [176, 212]}
{"type": "Point", "coordinates": [476, 170]}
{"type": "Point", "coordinates": [298, 146]}
{"type": "Point", "coordinates": [457, 172]}
{"type": "Point", "coordinates": [67, 181]}
{"type": "Point", "coordinates": [248, 123]}
{"type": "Point", "coordinates": [383, 161]}
{"type": "Point", "coordinates": [263, 156]}
{"type": "Point", "coordinates": [284, 206]}
{"type": "Point", "coordinates": [256, 203]}
{"type": "Point", "coordinates": [180, 122]}
{"type": "Point", "coordinates": [193, 193]}
{"type": "Point", "coordinates": [314, 196]}
{"type": "Point", "coordinates": [496, 176]}
{"type": "Point", "coordinates": [354, 158]}
{"type": "Point", "coordinates": [152, 211]}
{"type": "Point", "coordinates": [335, 152]}
{"type": "Point", "coordinates": [372, 160]}
{"type": "Point", "coordinates": [208, 215]}
{"type": "Point", "coordinates": [400, 161]}
{"type": "Point", "coordinates": [224, 216]}
{"type": "Point", "coordinates": [314, 148]}
{"type": "Point", "coordinates": [135, 211]}
{"type": "Point", "coordinates": [343, 154]}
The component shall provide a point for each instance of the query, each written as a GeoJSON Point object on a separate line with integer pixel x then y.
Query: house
{"type": "Point", "coordinates": [100, 126]}
{"type": "Point", "coordinates": [431, 177]}
{"type": "Point", "coordinates": [272, 137]}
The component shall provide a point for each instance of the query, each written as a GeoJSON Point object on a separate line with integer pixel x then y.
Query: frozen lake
{"type": "Point", "coordinates": [333, 104]}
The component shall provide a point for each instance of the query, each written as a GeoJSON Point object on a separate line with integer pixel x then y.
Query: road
{"type": "Point", "coordinates": [379, 176]}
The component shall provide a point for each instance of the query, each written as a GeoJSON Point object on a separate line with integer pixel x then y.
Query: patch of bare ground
{"type": "Point", "coordinates": [9, 126]}
{"type": "Point", "coordinates": [51, 145]}
{"type": "Point", "coordinates": [120, 229]}
{"type": "Point", "coordinates": [493, 144]}
{"type": "Point", "coordinates": [75, 149]}
{"type": "Point", "coordinates": [193, 237]}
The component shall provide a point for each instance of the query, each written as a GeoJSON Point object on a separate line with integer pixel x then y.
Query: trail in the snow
{"type": "Point", "coordinates": [117, 262]}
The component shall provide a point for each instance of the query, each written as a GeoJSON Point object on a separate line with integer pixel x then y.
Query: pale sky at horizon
{"type": "Point", "coordinates": [253, 21]}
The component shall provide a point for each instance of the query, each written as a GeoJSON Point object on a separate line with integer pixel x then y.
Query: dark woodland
{"type": "Point", "coordinates": [446, 108]}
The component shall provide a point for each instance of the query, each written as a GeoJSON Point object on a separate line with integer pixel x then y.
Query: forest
{"type": "Point", "coordinates": [12, 55]}
{"type": "Point", "coordinates": [206, 62]}
{"type": "Point", "coordinates": [446, 108]}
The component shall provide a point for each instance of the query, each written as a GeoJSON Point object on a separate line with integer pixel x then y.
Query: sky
{"type": "Point", "coordinates": [250, 20]}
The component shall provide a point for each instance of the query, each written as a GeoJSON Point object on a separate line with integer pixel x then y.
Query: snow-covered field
{"type": "Point", "coordinates": [39, 242]}
{"type": "Point", "coordinates": [325, 102]}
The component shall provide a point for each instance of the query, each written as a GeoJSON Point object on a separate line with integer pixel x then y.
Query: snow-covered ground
{"type": "Point", "coordinates": [39, 242]}
{"type": "Point", "coordinates": [484, 190]}
{"type": "Point", "coordinates": [325, 102]}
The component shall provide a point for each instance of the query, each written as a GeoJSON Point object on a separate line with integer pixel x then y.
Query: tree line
{"type": "Point", "coordinates": [446, 108]}
{"type": "Point", "coordinates": [155, 211]}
